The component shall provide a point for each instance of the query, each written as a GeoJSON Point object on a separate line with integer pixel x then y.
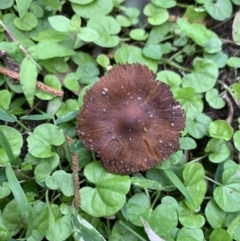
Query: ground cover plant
{"type": "Point", "coordinates": [51, 187]}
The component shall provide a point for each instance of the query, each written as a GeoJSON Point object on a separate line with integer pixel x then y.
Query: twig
{"type": "Point", "coordinates": [230, 106]}
{"type": "Point", "coordinates": [40, 85]}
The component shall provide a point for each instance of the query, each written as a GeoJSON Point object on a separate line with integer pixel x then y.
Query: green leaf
{"type": "Point", "coordinates": [214, 100]}
{"type": "Point", "coordinates": [108, 196]}
{"type": "Point", "coordinates": [193, 175]}
{"type": "Point", "coordinates": [27, 22]}
{"type": "Point", "coordinates": [198, 127]}
{"type": "Point", "coordinates": [55, 182]}
{"type": "Point", "coordinates": [11, 142]}
{"type": "Point", "coordinates": [236, 140]}
{"type": "Point", "coordinates": [48, 49]}
{"type": "Point", "coordinates": [227, 196]}
{"type": "Point", "coordinates": [190, 234]}
{"type": "Point", "coordinates": [188, 218]}
{"type": "Point", "coordinates": [45, 168]}
{"type": "Point", "coordinates": [4, 190]}
{"type": "Point", "coordinates": [177, 182]}
{"type": "Point", "coordinates": [221, 129]}
{"type": "Point", "coordinates": [220, 235]}
{"type": "Point", "coordinates": [5, 99]}
{"type": "Point", "coordinates": [236, 90]}
{"type": "Point", "coordinates": [6, 4]}
{"type": "Point", "coordinates": [23, 6]}
{"type": "Point", "coordinates": [156, 15]}
{"type": "Point", "coordinates": [170, 78]}
{"type": "Point", "coordinates": [234, 62]}
{"type": "Point", "coordinates": [203, 76]}
{"type": "Point", "coordinates": [88, 34]}
{"type": "Point", "coordinates": [219, 9]}
{"type": "Point", "coordinates": [218, 149]}
{"type": "Point", "coordinates": [83, 230]}
{"type": "Point", "coordinates": [216, 217]}
{"type": "Point", "coordinates": [28, 78]}
{"type": "Point", "coordinates": [132, 54]}
{"type": "Point", "coordinates": [106, 27]}
{"type": "Point", "coordinates": [236, 28]}
{"type": "Point", "coordinates": [138, 34]}
{"type": "Point", "coordinates": [164, 4]}
{"type": "Point", "coordinates": [95, 8]}
{"type": "Point", "coordinates": [103, 60]}
{"type": "Point", "coordinates": [201, 35]}
{"type": "Point", "coordinates": [219, 58]}
{"type": "Point", "coordinates": [145, 183]}
{"type": "Point", "coordinates": [60, 23]}
{"type": "Point", "coordinates": [187, 143]}
{"type": "Point", "coordinates": [71, 81]}
{"type": "Point", "coordinates": [41, 140]}
{"type": "Point", "coordinates": [192, 104]}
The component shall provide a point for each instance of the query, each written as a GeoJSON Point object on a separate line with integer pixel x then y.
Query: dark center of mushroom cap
{"type": "Point", "coordinates": [133, 120]}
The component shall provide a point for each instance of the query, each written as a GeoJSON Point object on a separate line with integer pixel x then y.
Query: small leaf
{"type": "Point", "coordinates": [236, 140]}
{"type": "Point", "coordinates": [23, 6]}
{"type": "Point", "coordinates": [60, 23]}
{"type": "Point", "coordinates": [41, 140]}
{"type": "Point", "coordinates": [108, 196]}
{"type": "Point", "coordinates": [48, 49]}
{"type": "Point", "coordinates": [236, 28]}
{"type": "Point", "coordinates": [220, 235]}
{"type": "Point", "coordinates": [27, 22]}
{"type": "Point", "coordinates": [234, 62]}
{"type": "Point", "coordinates": [88, 34]}
{"type": "Point", "coordinates": [221, 129]}
{"type": "Point", "coordinates": [219, 9]}
{"type": "Point", "coordinates": [5, 99]}
{"type": "Point", "coordinates": [28, 78]}
{"type": "Point", "coordinates": [138, 34]}
{"type": "Point", "coordinates": [218, 149]}
{"type": "Point", "coordinates": [55, 182]}
{"type": "Point", "coordinates": [203, 76]}
{"type": "Point", "coordinates": [214, 100]}
{"type": "Point", "coordinates": [193, 234]}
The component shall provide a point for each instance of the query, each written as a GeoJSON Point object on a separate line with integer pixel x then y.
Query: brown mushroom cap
{"type": "Point", "coordinates": [130, 120]}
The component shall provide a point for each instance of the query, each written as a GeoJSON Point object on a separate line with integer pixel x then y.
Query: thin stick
{"type": "Point", "coordinates": [40, 85]}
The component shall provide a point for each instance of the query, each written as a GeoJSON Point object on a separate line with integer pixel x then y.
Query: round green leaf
{"type": "Point", "coordinates": [214, 100]}
{"type": "Point", "coordinates": [103, 60]}
{"type": "Point", "coordinates": [188, 218]}
{"type": "Point", "coordinates": [219, 9]}
{"type": "Point", "coordinates": [43, 137]}
{"type": "Point", "coordinates": [108, 196]}
{"type": "Point", "coordinates": [138, 206]}
{"type": "Point", "coordinates": [156, 15]}
{"type": "Point", "coordinates": [4, 190]}
{"type": "Point", "coordinates": [95, 8]}
{"type": "Point", "coordinates": [227, 196]}
{"type": "Point", "coordinates": [4, 4]}
{"type": "Point", "coordinates": [203, 76]}
{"type": "Point", "coordinates": [236, 140]}
{"type": "Point", "coordinates": [190, 234]}
{"type": "Point", "coordinates": [55, 182]}
{"type": "Point", "coordinates": [138, 34]}
{"type": "Point", "coordinates": [198, 127]}
{"type": "Point", "coordinates": [5, 99]}
{"type": "Point", "coordinates": [60, 23]}
{"type": "Point", "coordinates": [187, 143]}
{"type": "Point", "coordinates": [46, 166]}
{"type": "Point", "coordinates": [234, 62]}
{"type": "Point", "coordinates": [221, 129]}
{"type": "Point", "coordinates": [15, 141]}
{"type": "Point", "coordinates": [218, 149]}
{"type": "Point", "coordinates": [236, 90]}
{"type": "Point", "coordinates": [220, 235]}
{"type": "Point", "coordinates": [169, 77]}
{"type": "Point", "coordinates": [216, 217]}
{"type": "Point", "coordinates": [219, 58]}
{"type": "Point", "coordinates": [27, 22]}
{"type": "Point", "coordinates": [106, 27]}
{"type": "Point", "coordinates": [164, 4]}
{"type": "Point", "coordinates": [87, 34]}
{"type": "Point", "coordinates": [132, 54]}
{"type": "Point", "coordinates": [71, 81]}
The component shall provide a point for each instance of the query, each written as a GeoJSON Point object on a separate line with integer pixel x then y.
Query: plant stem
{"type": "Point", "coordinates": [132, 231]}
{"type": "Point", "coordinates": [213, 181]}
{"type": "Point", "coordinates": [175, 65]}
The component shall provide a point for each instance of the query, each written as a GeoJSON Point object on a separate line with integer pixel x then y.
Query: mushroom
{"type": "Point", "coordinates": [130, 120]}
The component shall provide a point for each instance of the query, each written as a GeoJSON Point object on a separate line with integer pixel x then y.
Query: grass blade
{"type": "Point", "coordinates": [17, 191]}
{"type": "Point", "coordinates": [177, 182]}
